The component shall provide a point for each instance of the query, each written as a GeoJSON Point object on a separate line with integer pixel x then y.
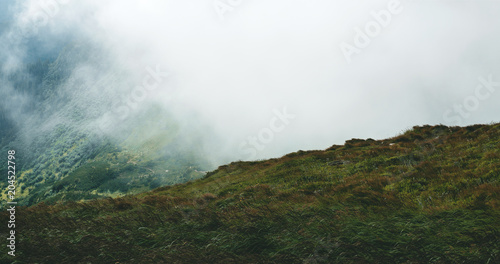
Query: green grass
{"type": "Point", "coordinates": [429, 195]}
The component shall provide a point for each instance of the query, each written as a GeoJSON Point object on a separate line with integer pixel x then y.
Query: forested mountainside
{"type": "Point", "coordinates": [61, 152]}
{"type": "Point", "coordinates": [430, 195]}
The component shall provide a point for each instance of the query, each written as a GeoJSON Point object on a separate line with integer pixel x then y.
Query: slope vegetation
{"type": "Point", "coordinates": [429, 195]}
{"type": "Point", "coordinates": [56, 135]}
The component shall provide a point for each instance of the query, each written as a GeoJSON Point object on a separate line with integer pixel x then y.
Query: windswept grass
{"type": "Point", "coordinates": [429, 195]}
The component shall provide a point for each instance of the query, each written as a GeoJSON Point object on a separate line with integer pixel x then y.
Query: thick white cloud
{"type": "Point", "coordinates": [233, 73]}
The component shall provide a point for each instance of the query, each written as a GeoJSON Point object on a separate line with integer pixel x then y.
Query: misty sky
{"type": "Point", "coordinates": [271, 77]}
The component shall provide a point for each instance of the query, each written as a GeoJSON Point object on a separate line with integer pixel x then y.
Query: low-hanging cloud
{"type": "Point", "coordinates": [228, 77]}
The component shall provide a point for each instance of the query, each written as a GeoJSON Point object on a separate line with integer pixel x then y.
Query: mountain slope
{"type": "Point", "coordinates": [52, 122]}
{"type": "Point", "coordinates": [429, 195]}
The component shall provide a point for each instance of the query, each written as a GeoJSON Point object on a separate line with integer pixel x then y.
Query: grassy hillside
{"type": "Point", "coordinates": [430, 195]}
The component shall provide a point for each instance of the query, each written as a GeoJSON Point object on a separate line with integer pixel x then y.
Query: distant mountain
{"type": "Point", "coordinates": [429, 195]}
{"type": "Point", "coordinates": [49, 119]}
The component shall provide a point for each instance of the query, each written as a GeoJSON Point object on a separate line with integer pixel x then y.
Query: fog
{"type": "Point", "coordinates": [259, 79]}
